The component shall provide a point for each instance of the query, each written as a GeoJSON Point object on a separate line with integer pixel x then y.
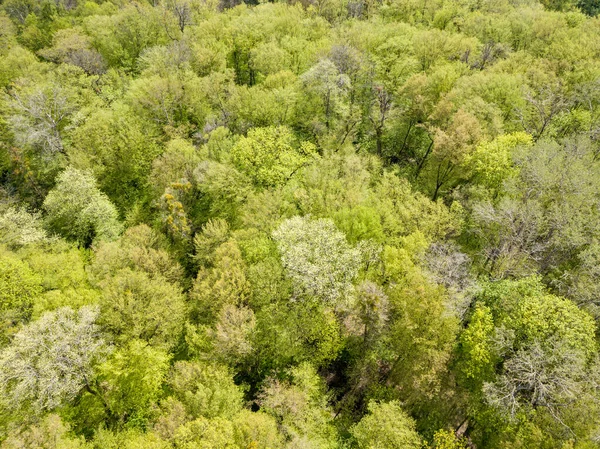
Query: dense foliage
{"type": "Point", "coordinates": [323, 224]}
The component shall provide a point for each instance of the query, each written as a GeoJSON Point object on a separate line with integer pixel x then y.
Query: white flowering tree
{"type": "Point", "coordinates": [317, 258]}
{"type": "Point", "coordinates": [51, 359]}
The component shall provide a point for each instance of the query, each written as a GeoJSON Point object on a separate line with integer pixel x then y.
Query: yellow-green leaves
{"type": "Point", "coordinates": [492, 162]}
{"type": "Point", "coordinates": [270, 156]}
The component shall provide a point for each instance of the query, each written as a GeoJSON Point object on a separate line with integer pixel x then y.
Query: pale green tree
{"type": "Point", "coordinates": [135, 305]}
{"type": "Point", "coordinates": [386, 426]}
{"type": "Point", "coordinates": [130, 382]}
{"type": "Point", "coordinates": [205, 389]}
{"type": "Point", "coordinates": [79, 211]}
{"type": "Point", "coordinates": [20, 287]}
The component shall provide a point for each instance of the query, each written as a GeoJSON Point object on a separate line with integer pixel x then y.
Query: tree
{"type": "Point", "coordinates": [137, 306]}
{"type": "Point", "coordinates": [130, 382]}
{"type": "Point", "coordinates": [119, 148]}
{"type": "Point", "coordinates": [205, 389]}
{"type": "Point", "coordinates": [257, 429]}
{"type": "Point", "coordinates": [224, 284]}
{"type": "Point", "coordinates": [19, 228]}
{"type": "Point", "coordinates": [545, 215]}
{"type": "Point", "coordinates": [327, 89]}
{"type": "Point", "coordinates": [233, 333]}
{"type": "Point", "coordinates": [40, 117]}
{"type": "Point", "coordinates": [19, 289]}
{"type": "Point", "coordinates": [270, 156]}
{"type": "Point", "coordinates": [51, 360]}
{"type": "Point", "coordinates": [79, 211]}
{"type": "Point", "coordinates": [50, 433]}
{"type": "Point", "coordinates": [386, 426]}
{"type": "Point", "coordinates": [542, 349]}
{"type": "Point", "coordinates": [317, 258]}
{"type": "Point", "coordinates": [300, 408]}
{"type": "Point", "coordinates": [140, 248]}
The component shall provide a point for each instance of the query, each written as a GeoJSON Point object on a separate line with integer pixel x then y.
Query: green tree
{"type": "Point", "coordinates": [386, 426]}
{"type": "Point", "coordinates": [130, 382]}
{"type": "Point", "coordinates": [205, 389]}
{"type": "Point", "coordinates": [136, 306]}
{"type": "Point", "coordinates": [50, 433]}
{"type": "Point", "coordinates": [79, 211]}
{"type": "Point", "coordinates": [19, 289]}
{"type": "Point", "coordinates": [270, 156]}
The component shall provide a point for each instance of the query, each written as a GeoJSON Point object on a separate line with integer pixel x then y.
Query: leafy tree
{"type": "Point", "coordinates": [79, 211]}
{"type": "Point", "coordinates": [141, 249]}
{"type": "Point", "coordinates": [205, 389]}
{"type": "Point", "coordinates": [136, 306]}
{"type": "Point", "coordinates": [19, 289]}
{"type": "Point", "coordinates": [51, 360]}
{"type": "Point", "coordinates": [317, 258]}
{"type": "Point", "coordinates": [119, 148]}
{"type": "Point", "coordinates": [120, 38]}
{"type": "Point", "coordinates": [18, 228]}
{"type": "Point", "coordinates": [130, 382]}
{"type": "Point", "coordinates": [50, 433]}
{"type": "Point", "coordinates": [233, 332]}
{"type": "Point", "coordinates": [300, 408]}
{"type": "Point", "coordinates": [223, 285]}
{"type": "Point", "coordinates": [541, 349]}
{"type": "Point", "coordinates": [269, 156]}
{"type": "Point", "coordinates": [386, 426]}
{"type": "Point", "coordinates": [257, 429]}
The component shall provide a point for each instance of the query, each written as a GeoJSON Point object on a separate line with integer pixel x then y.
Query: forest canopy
{"type": "Point", "coordinates": [313, 224]}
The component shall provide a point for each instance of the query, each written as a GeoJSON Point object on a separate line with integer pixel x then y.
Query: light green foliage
{"type": "Point", "coordinates": [446, 439]}
{"type": "Point", "coordinates": [256, 430]}
{"type": "Point", "coordinates": [51, 360]}
{"type": "Point", "coordinates": [176, 164]}
{"type": "Point", "coordinates": [326, 88]}
{"type": "Point", "coordinates": [547, 345]}
{"type": "Point", "coordinates": [134, 305]}
{"type": "Point", "coordinates": [422, 332]}
{"type": "Point", "coordinates": [300, 408]}
{"type": "Point", "coordinates": [492, 163]}
{"type": "Point", "coordinates": [139, 248]}
{"type": "Point", "coordinates": [19, 289]}
{"type": "Point", "coordinates": [119, 148]}
{"type": "Point", "coordinates": [205, 389]}
{"type": "Point", "coordinates": [63, 276]}
{"type": "Point", "coordinates": [233, 333]}
{"type": "Point", "coordinates": [129, 439]}
{"type": "Point", "coordinates": [79, 211]}
{"type": "Point", "coordinates": [206, 433]}
{"type": "Point", "coordinates": [122, 37]}
{"type": "Point", "coordinates": [386, 426]}
{"type": "Point", "coordinates": [270, 156]}
{"type": "Point", "coordinates": [223, 284]}
{"type": "Point", "coordinates": [477, 347]}
{"type": "Point", "coordinates": [222, 189]}
{"type": "Point", "coordinates": [214, 234]}
{"type": "Point", "coordinates": [173, 100]}
{"type": "Point", "coordinates": [546, 214]}
{"type": "Point", "coordinates": [317, 258]}
{"type": "Point", "coordinates": [131, 381]}
{"type": "Point", "coordinates": [298, 224]}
